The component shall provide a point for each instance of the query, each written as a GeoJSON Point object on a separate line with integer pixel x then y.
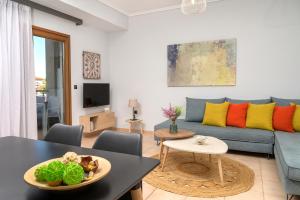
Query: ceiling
{"type": "Point", "coordinates": [136, 7]}
{"type": "Point", "coordinates": [92, 12]}
{"type": "Point", "coordinates": [140, 7]}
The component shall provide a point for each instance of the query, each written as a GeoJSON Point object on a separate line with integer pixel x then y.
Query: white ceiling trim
{"type": "Point", "coordinates": [115, 8]}
{"type": "Point", "coordinates": [145, 12]}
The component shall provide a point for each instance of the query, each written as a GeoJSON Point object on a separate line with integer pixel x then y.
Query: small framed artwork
{"type": "Point", "coordinates": [91, 65]}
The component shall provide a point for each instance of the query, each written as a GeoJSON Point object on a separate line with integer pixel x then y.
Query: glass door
{"type": "Point", "coordinates": [49, 63]}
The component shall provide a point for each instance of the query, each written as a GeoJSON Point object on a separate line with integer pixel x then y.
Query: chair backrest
{"type": "Point", "coordinates": [129, 143]}
{"type": "Point", "coordinates": [65, 134]}
{"type": "Point", "coordinates": [40, 99]}
{"type": "Point", "coordinates": [53, 106]}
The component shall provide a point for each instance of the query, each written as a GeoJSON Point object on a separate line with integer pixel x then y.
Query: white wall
{"type": "Point", "coordinates": [268, 46]}
{"type": "Point", "coordinates": [83, 38]}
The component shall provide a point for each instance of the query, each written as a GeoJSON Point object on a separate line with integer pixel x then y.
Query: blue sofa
{"type": "Point", "coordinates": [251, 140]}
{"type": "Point", "coordinates": [287, 155]}
{"type": "Point", "coordinates": [285, 146]}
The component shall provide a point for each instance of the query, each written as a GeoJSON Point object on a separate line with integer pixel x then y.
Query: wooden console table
{"type": "Point", "coordinates": [97, 122]}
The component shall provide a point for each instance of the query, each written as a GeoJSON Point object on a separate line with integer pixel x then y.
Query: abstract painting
{"type": "Point", "coordinates": [209, 63]}
{"type": "Point", "coordinates": [91, 65]}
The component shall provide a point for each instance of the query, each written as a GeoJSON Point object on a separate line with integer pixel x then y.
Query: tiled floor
{"type": "Point", "coordinates": [267, 185]}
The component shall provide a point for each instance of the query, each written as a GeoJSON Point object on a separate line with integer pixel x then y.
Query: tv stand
{"type": "Point", "coordinates": [97, 122]}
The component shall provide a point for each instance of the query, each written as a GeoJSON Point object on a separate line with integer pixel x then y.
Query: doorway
{"type": "Point", "coordinates": [53, 78]}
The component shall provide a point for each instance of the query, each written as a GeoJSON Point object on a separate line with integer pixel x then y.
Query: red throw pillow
{"type": "Point", "coordinates": [283, 118]}
{"type": "Point", "coordinates": [237, 114]}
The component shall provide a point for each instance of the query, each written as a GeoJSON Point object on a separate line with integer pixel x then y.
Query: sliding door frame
{"type": "Point", "coordinates": [53, 35]}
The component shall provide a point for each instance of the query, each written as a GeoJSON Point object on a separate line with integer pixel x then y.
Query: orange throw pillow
{"type": "Point", "coordinates": [283, 118]}
{"type": "Point", "coordinates": [237, 114]}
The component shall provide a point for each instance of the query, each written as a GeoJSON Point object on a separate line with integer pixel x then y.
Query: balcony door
{"type": "Point", "coordinates": [53, 78]}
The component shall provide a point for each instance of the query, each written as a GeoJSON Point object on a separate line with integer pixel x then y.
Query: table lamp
{"type": "Point", "coordinates": [133, 103]}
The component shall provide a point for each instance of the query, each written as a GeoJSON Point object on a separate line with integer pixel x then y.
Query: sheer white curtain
{"type": "Point", "coordinates": [17, 79]}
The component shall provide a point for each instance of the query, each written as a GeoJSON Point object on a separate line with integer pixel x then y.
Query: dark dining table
{"type": "Point", "coordinates": [17, 155]}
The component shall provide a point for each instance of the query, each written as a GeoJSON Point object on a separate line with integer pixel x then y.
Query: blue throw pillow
{"type": "Point", "coordinates": [195, 108]}
{"type": "Point", "coordinates": [255, 101]}
{"type": "Point", "coordinates": [285, 102]}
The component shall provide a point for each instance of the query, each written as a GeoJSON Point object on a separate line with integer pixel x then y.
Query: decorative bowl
{"type": "Point", "coordinates": [201, 139]}
{"type": "Point", "coordinates": [102, 171]}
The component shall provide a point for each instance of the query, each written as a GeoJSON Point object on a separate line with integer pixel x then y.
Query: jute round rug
{"type": "Point", "coordinates": [201, 178]}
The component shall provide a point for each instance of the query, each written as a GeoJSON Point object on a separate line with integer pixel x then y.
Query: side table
{"type": "Point", "coordinates": [135, 123]}
{"type": "Point", "coordinates": [164, 134]}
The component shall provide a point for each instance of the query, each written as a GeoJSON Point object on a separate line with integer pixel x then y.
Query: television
{"type": "Point", "coordinates": [95, 94]}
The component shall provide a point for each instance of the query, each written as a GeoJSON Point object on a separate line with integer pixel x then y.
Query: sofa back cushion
{"type": "Point", "coordinates": [283, 118]}
{"type": "Point", "coordinates": [195, 108]}
{"type": "Point", "coordinates": [285, 102]}
{"type": "Point", "coordinates": [255, 101]}
{"type": "Point", "coordinates": [260, 116]}
{"type": "Point", "coordinates": [237, 114]}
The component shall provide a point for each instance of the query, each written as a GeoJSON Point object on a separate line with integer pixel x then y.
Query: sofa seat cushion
{"type": "Point", "coordinates": [228, 133]}
{"type": "Point", "coordinates": [288, 148]}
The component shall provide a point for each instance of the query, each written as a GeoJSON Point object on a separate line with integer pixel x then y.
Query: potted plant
{"type": "Point", "coordinates": [172, 113]}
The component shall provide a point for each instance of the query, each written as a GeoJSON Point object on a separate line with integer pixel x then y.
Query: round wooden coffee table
{"type": "Point", "coordinates": [164, 134]}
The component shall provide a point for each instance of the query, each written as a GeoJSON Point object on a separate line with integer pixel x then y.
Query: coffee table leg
{"type": "Point", "coordinates": [165, 158]}
{"type": "Point", "coordinates": [209, 157]}
{"type": "Point", "coordinates": [220, 170]}
{"type": "Point", "coordinates": [194, 156]}
{"type": "Point", "coordinates": [161, 148]}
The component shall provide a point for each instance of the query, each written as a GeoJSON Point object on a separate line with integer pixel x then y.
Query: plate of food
{"type": "Point", "coordinates": [68, 172]}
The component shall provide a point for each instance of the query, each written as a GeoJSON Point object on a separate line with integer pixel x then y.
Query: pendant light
{"type": "Point", "coordinates": [190, 7]}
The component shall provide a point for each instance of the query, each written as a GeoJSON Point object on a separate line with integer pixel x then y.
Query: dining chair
{"type": "Point", "coordinates": [65, 134]}
{"type": "Point", "coordinates": [120, 142]}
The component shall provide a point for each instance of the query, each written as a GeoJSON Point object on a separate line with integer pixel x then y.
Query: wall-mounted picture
{"type": "Point", "coordinates": [209, 63]}
{"type": "Point", "coordinates": [91, 65]}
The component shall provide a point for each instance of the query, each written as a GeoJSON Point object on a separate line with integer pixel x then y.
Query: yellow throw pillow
{"type": "Point", "coordinates": [260, 116]}
{"type": "Point", "coordinates": [296, 119]}
{"type": "Point", "coordinates": [215, 114]}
